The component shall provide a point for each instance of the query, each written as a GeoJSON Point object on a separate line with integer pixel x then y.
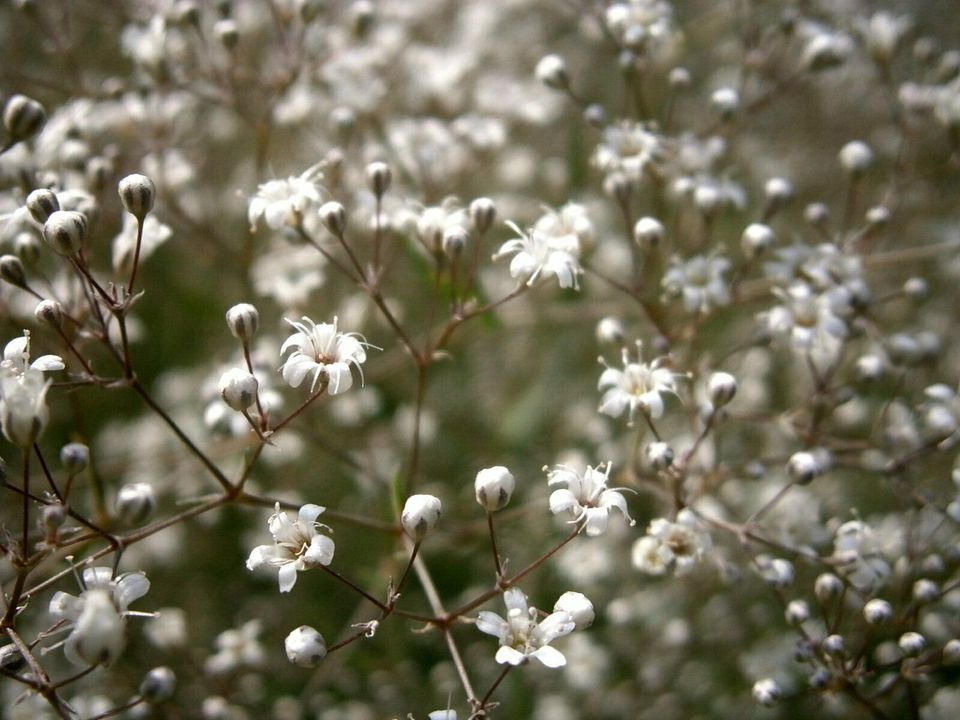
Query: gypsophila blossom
{"type": "Point", "coordinates": [638, 386]}
{"type": "Point", "coordinates": [629, 148]}
{"type": "Point", "coordinates": [856, 548]}
{"type": "Point", "coordinates": [297, 545]}
{"type": "Point", "coordinates": [323, 351]}
{"type": "Point", "coordinates": [678, 545]}
{"type": "Point", "coordinates": [699, 281]}
{"type": "Point", "coordinates": [284, 203]}
{"type": "Point", "coordinates": [536, 255]}
{"type": "Point", "coordinates": [237, 648]}
{"type": "Point", "coordinates": [155, 234]}
{"type": "Point", "coordinates": [586, 496]}
{"type": "Point", "coordinates": [96, 617]}
{"type": "Point", "coordinates": [521, 636]}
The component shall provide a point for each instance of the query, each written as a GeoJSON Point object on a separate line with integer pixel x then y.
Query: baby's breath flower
{"type": "Point", "coordinates": [678, 544]}
{"type": "Point", "coordinates": [323, 351]}
{"type": "Point", "coordinates": [297, 545]}
{"type": "Point", "coordinates": [521, 637]}
{"type": "Point", "coordinates": [638, 386]}
{"type": "Point", "coordinates": [537, 254]}
{"type": "Point", "coordinates": [283, 203]}
{"type": "Point", "coordinates": [699, 281]}
{"type": "Point", "coordinates": [586, 496]}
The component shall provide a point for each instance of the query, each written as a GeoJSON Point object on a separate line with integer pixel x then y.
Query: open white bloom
{"type": "Point", "coordinates": [699, 281]}
{"type": "Point", "coordinates": [96, 617]}
{"type": "Point", "coordinates": [586, 496]}
{"type": "Point", "coordinates": [521, 636]}
{"type": "Point", "coordinates": [237, 648]}
{"type": "Point", "coordinates": [537, 254]}
{"type": "Point", "coordinates": [283, 203]}
{"type": "Point", "coordinates": [297, 545]}
{"type": "Point", "coordinates": [569, 226]}
{"type": "Point", "coordinates": [628, 148]}
{"type": "Point", "coordinates": [638, 386]}
{"type": "Point", "coordinates": [857, 548]}
{"type": "Point", "coordinates": [679, 544]}
{"type": "Point", "coordinates": [323, 351]}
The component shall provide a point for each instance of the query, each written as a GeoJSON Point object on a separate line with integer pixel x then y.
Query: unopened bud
{"type": "Point", "coordinates": [797, 612]}
{"type": "Point", "coordinates": [52, 517]}
{"type": "Point", "coordinates": [660, 455]}
{"type": "Point", "coordinates": [305, 647]}
{"type": "Point", "coordinates": [595, 115]}
{"type": "Point", "coordinates": [834, 645]}
{"type": "Point", "coordinates": [679, 78]}
{"type": "Point", "coordinates": [137, 193]}
{"type": "Point", "coordinates": [379, 177]}
{"type": "Point", "coordinates": [856, 157]}
{"type": "Point", "coordinates": [334, 218]}
{"type": "Point", "coordinates": [610, 331]}
{"type": "Point", "coordinates": [65, 230]}
{"type": "Point", "coordinates": [27, 247]}
{"type": "Point", "coordinates": [552, 72]}
{"type": "Point", "coordinates": [912, 643]}
{"type": "Point", "coordinates": [648, 232]}
{"type": "Point", "coordinates": [951, 652]}
{"type": "Point", "coordinates": [817, 214]}
{"type": "Point", "coordinates": [23, 118]}
{"type": "Point", "coordinates": [158, 685]}
{"type": "Point", "coordinates": [726, 101]}
{"type": "Point", "coordinates": [827, 586]}
{"type": "Point", "coordinates": [778, 190]}
{"type": "Point", "coordinates": [722, 386]}
{"type": "Point", "coordinates": [243, 321]}
{"type": "Point", "coordinates": [74, 457]}
{"type": "Point", "coordinates": [578, 606]}
{"type": "Point", "coordinates": [482, 214]}
{"type": "Point", "coordinates": [227, 33]}
{"type": "Point", "coordinates": [11, 271]}
{"type": "Point", "coordinates": [877, 611]}
{"type": "Point", "coordinates": [420, 514]}
{"type": "Point", "coordinates": [135, 503]}
{"type": "Point", "coordinates": [42, 204]}
{"type": "Point", "coordinates": [454, 241]}
{"type": "Point", "coordinates": [803, 467]}
{"type": "Point", "coordinates": [238, 388]}
{"type": "Point", "coordinates": [757, 238]}
{"type": "Point", "coordinates": [766, 692]}
{"type": "Point", "coordinates": [50, 312]}
{"type": "Point", "coordinates": [494, 487]}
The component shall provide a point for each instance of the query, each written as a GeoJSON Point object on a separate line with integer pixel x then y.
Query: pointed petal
{"type": "Point", "coordinates": [491, 624]}
{"type": "Point", "coordinates": [309, 513]}
{"type": "Point", "coordinates": [551, 657]}
{"type": "Point", "coordinates": [287, 576]}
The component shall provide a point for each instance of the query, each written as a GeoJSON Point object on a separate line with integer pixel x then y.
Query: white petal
{"type": "Point", "coordinates": [491, 624]}
{"type": "Point", "coordinates": [296, 368]}
{"type": "Point", "coordinates": [287, 576]}
{"type": "Point", "coordinates": [309, 513]}
{"type": "Point", "coordinates": [551, 657]}
{"type": "Point", "coordinates": [46, 363]}
{"type": "Point", "coordinates": [130, 587]}
{"type": "Point", "coordinates": [514, 599]}
{"type": "Point", "coordinates": [340, 378]}
{"type": "Point", "coordinates": [563, 500]}
{"type": "Point", "coordinates": [320, 551]}
{"type": "Point", "coordinates": [596, 521]}
{"type": "Point", "coordinates": [260, 556]}
{"type": "Point", "coordinates": [64, 606]}
{"type": "Point", "coordinates": [510, 656]}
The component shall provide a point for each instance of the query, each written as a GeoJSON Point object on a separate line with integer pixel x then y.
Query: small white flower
{"type": "Point", "coordinates": [236, 648]}
{"type": "Point", "coordinates": [155, 234]}
{"type": "Point", "coordinates": [283, 203]}
{"type": "Point", "coordinates": [638, 386]}
{"type": "Point", "coordinates": [679, 544]}
{"type": "Point", "coordinates": [323, 351]}
{"type": "Point", "coordinates": [628, 148]}
{"type": "Point", "coordinates": [297, 545]}
{"type": "Point", "coordinates": [699, 281]}
{"type": "Point", "coordinates": [586, 496]}
{"type": "Point", "coordinates": [96, 617]}
{"type": "Point", "coordinates": [537, 254]}
{"type": "Point", "coordinates": [521, 637]}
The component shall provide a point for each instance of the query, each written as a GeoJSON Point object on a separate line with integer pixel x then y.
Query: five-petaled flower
{"type": "Point", "coordinates": [521, 636]}
{"type": "Point", "coordinates": [639, 385]}
{"type": "Point", "coordinates": [323, 351]}
{"type": "Point", "coordinates": [537, 254]}
{"type": "Point", "coordinates": [297, 545]}
{"type": "Point", "coordinates": [586, 496]}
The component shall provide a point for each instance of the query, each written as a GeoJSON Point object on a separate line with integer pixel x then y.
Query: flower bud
{"type": "Point", "coordinates": [610, 331]}
{"type": "Point", "coordinates": [578, 606]}
{"type": "Point", "coordinates": [912, 643]}
{"type": "Point", "coordinates": [494, 487]}
{"type": "Point", "coordinates": [243, 321]}
{"type": "Point", "coordinates": [11, 270]}
{"type": "Point", "coordinates": [856, 157]}
{"type": "Point", "coordinates": [135, 503]}
{"type": "Point", "coordinates": [23, 118]}
{"type": "Point", "coordinates": [379, 177]}
{"type": "Point", "coordinates": [334, 218]}
{"type": "Point", "coordinates": [722, 386]}
{"type": "Point", "coordinates": [916, 288]}
{"type": "Point", "coordinates": [803, 467]}
{"type": "Point", "coordinates": [766, 692]}
{"type": "Point", "coordinates": [482, 214]}
{"type": "Point", "coordinates": [817, 214]}
{"type": "Point", "coordinates": [420, 514]}
{"type": "Point", "coordinates": [238, 388]}
{"type": "Point", "coordinates": [137, 193]}
{"type": "Point", "coordinates": [52, 517]}
{"type": "Point", "coordinates": [648, 232]}
{"type": "Point", "coordinates": [227, 33]}
{"type": "Point", "coordinates": [42, 204]}
{"type": "Point", "coordinates": [49, 312]}
{"type": "Point", "coordinates": [595, 115]}
{"type": "Point", "coordinates": [834, 645]}
{"type": "Point", "coordinates": [951, 652]}
{"type": "Point", "coordinates": [454, 241]}
{"type": "Point", "coordinates": [679, 78]}
{"type": "Point", "coordinates": [11, 659]}
{"type": "Point", "coordinates": [878, 217]}
{"type": "Point", "coordinates": [305, 647]}
{"type": "Point", "coordinates": [778, 190]}
{"type": "Point", "coordinates": [870, 368]}
{"type": "Point", "coordinates": [65, 230]}
{"type": "Point", "coordinates": [660, 455]}
{"type": "Point", "coordinates": [27, 247]}
{"type": "Point", "coordinates": [757, 238]}
{"type": "Point", "coordinates": [707, 199]}
{"type": "Point", "coordinates": [925, 591]}
{"type": "Point", "coordinates": [24, 413]}
{"type": "Point", "coordinates": [877, 611]}
{"type": "Point", "coordinates": [552, 72]}
{"type": "Point", "coordinates": [74, 457]}
{"type": "Point", "coordinates": [726, 101]}
{"type": "Point", "coordinates": [827, 586]}
{"type": "Point", "coordinates": [158, 685]}
{"type": "Point", "coordinates": [797, 612]}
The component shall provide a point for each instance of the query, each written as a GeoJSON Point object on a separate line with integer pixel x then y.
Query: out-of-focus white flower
{"type": "Point", "coordinates": [96, 617]}
{"type": "Point", "coordinates": [679, 544]}
{"type": "Point", "coordinates": [642, 25]}
{"type": "Point", "coordinates": [567, 227]}
{"type": "Point", "coordinates": [236, 648]}
{"type": "Point", "coordinates": [586, 496]}
{"type": "Point", "coordinates": [155, 234]}
{"type": "Point", "coordinates": [296, 545]}
{"type": "Point", "coordinates": [323, 351]}
{"type": "Point", "coordinates": [537, 254]}
{"type": "Point", "coordinates": [882, 32]}
{"type": "Point", "coordinates": [521, 636]}
{"type": "Point", "coordinates": [857, 548]}
{"type": "Point", "coordinates": [699, 281]}
{"type": "Point", "coordinates": [638, 386]}
{"type": "Point", "coordinates": [809, 320]}
{"type": "Point", "coordinates": [283, 203]}
{"type": "Point", "coordinates": [628, 148]}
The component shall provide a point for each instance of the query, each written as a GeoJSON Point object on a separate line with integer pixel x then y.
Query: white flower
{"type": "Point", "coordinates": [568, 227]}
{"type": "Point", "coordinates": [283, 203]}
{"type": "Point", "coordinates": [96, 616]}
{"type": "Point", "coordinates": [679, 544]}
{"type": "Point", "coordinates": [628, 148]}
{"type": "Point", "coordinates": [537, 254]}
{"type": "Point", "coordinates": [857, 547]}
{"type": "Point", "coordinates": [521, 637]}
{"type": "Point", "coordinates": [155, 234]}
{"type": "Point", "coordinates": [638, 386]}
{"type": "Point", "coordinates": [586, 496]}
{"type": "Point", "coordinates": [297, 545]}
{"type": "Point", "coordinates": [236, 647]}
{"type": "Point", "coordinates": [325, 352]}
{"type": "Point", "coordinates": [699, 281]}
